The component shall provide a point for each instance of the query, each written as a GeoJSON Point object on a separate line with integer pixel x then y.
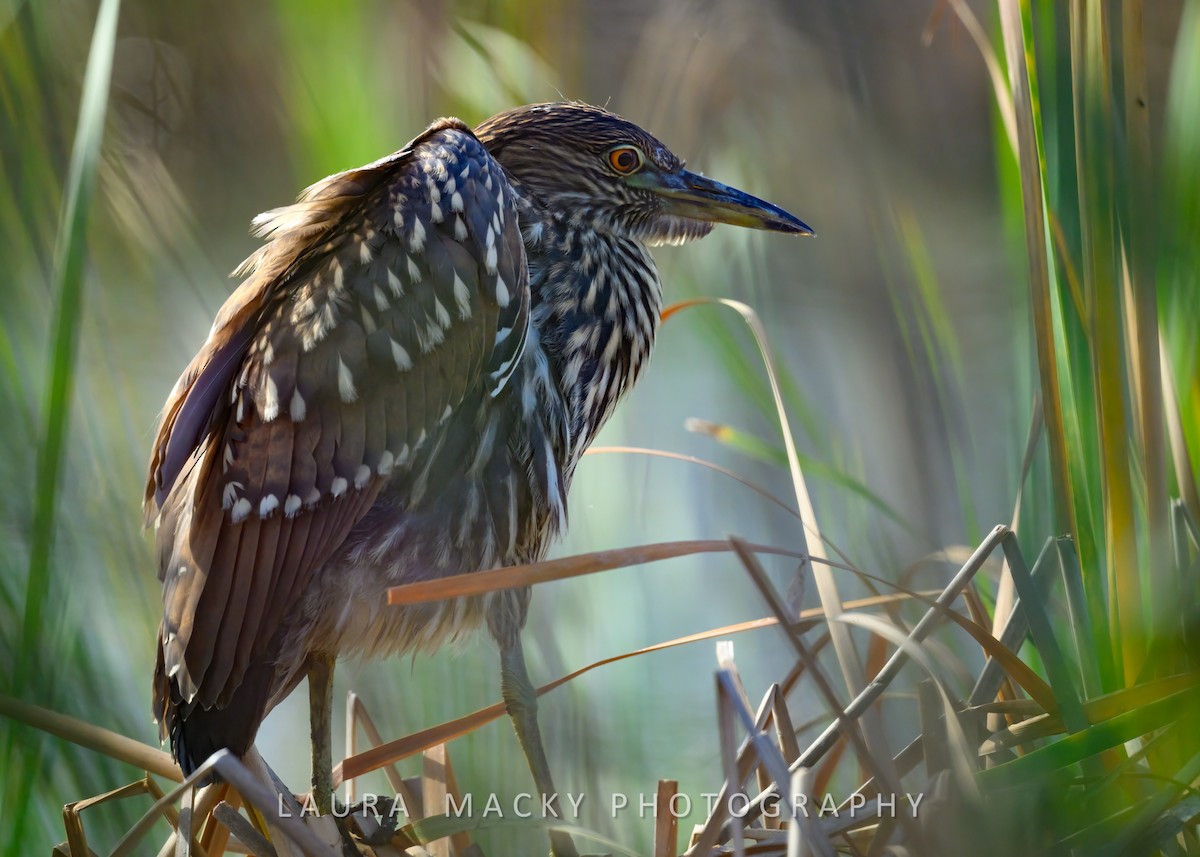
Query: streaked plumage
{"type": "Point", "coordinates": [401, 389]}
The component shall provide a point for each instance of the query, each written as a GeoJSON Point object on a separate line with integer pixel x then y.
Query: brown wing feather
{"type": "Point", "coordinates": [367, 318]}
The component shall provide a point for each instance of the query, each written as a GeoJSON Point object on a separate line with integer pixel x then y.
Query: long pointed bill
{"type": "Point", "coordinates": [689, 195]}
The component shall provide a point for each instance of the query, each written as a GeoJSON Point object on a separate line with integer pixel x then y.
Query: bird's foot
{"type": "Point", "coordinates": [376, 822]}
{"type": "Point", "coordinates": [342, 817]}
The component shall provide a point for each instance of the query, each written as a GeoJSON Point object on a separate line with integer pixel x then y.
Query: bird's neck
{"type": "Point", "coordinates": [596, 307]}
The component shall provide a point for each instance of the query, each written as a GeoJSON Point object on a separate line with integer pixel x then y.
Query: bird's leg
{"type": "Point", "coordinates": [320, 726]}
{"type": "Point", "coordinates": [520, 699]}
{"type": "Point", "coordinates": [320, 720]}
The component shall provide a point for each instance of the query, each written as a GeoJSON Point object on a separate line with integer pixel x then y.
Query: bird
{"type": "Point", "coordinates": [400, 389]}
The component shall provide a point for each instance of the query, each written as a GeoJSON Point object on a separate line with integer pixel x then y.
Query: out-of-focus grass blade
{"type": "Point", "coordinates": [337, 110]}
{"type": "Point", "coordinates": [757, 448]}
{"type": "Point", "coordinates": [69, 258]}
{"type": "Point", "coordinates": [691, 459]}
{"type": "Point", "coordinates": [1097, 710]}
{"type": "Point", "coordinates": [1105, 327]}
{"type": "Point", "coordinates": [1179, 226]}
{"type": "Point", "coordinates": [1033, 201]}
{"type": "Point", "coordinates": [70, 254]}
{"type": "Point", "coordinates": [485, 67]}
{"type": "Point", "coordinates": [1189, 491]}
{"type": "Point", "coordinates": [1004, 101]}
{"type": "Point", "coordinates": [939, 348]}
{"type": "Point", "coordinates": [739, 362]}
{"type": "Point", "coordinates": [1138, 228]}
{"type": "Point", "coordinates": [1154, 809]}
{"type": "Point", "coordinates": [1094, 740]}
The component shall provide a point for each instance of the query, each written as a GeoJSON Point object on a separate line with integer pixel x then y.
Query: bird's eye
{"type": "Point", "coordinates": [625, 160]}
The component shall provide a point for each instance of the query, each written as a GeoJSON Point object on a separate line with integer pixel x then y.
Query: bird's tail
{"type": "Point", "coordinates": [197, 732]}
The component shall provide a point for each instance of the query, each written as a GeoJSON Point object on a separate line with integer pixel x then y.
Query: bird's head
{"type": "Point", "coordinates": [591, 166]}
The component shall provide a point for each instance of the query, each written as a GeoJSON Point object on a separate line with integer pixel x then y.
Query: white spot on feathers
{"type": "Point", "coordinates": [346, 387]}
{"type": "Point", "coordinates": [298, 408]}
{"type": "Point", "coordinates": [416, 240]}
{"type": "Point", "coordinates": [292, 505]}
{"type": "Point", "coordinates": [338, 487]}
{"type": "Point", "coordinates": [362, 476]}
{"type": "Point", "coordinates": [386, 462]}
{"type": "Point", "coordinates": [394, 284]}
{"type": "Point", "coordinates": [439, 311]}
{"type": "Point", "coordinates": [502, 295]}
{"type": "Point", "coordinates": [368, 321]}
{"type": "Point", "coordinates": [414, 273]}
{"type": "Point", "coordinates": [462, 297]}
{"type": "Point", "coordinates": [490, 261]}
{"type": "Point", "coordinates": [270, 408]}
{"type": "Point", "coordinates": [241, 510]}
{"type": "Point", "coordinates": [400, 355]}
{"type": "Point", "coordinates": [430, 336]}
{"type": "Point", "coordinates": [268, 505]}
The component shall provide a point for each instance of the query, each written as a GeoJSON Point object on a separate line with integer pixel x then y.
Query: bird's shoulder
{"type": "Point", "coordinates": [372, 272]}
{"type": "Point", "coordinates": [378, 302]}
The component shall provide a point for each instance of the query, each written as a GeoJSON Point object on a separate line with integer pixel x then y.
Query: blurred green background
{"type": "Point", "coordinates": [903, 330]}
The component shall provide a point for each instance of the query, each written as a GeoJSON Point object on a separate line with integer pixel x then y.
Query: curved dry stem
{"type": "Point", "coordinates": [843, 643]}
{"type": "Point", "coordinates": [409, 745]}
{"type": "Point", "coordinates": [93, 737]}
{"type": "Point", "coordinates": [692, 459]}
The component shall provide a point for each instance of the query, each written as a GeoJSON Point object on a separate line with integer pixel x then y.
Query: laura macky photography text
{"type": "Point", "coordinates": [569, 806]}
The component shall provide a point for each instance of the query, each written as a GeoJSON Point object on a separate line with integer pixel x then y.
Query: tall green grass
{"type": "Point", "coordinates": [40, 646]}
{"type": "Point", "coordinates": [1109, 274]}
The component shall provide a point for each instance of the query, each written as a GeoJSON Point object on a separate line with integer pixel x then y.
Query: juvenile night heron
{"type": "Point", "coordinates": [400, 390]}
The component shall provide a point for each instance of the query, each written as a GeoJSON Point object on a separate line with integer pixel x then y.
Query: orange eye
{"type": "Point", "coordinates": [626, 160]}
